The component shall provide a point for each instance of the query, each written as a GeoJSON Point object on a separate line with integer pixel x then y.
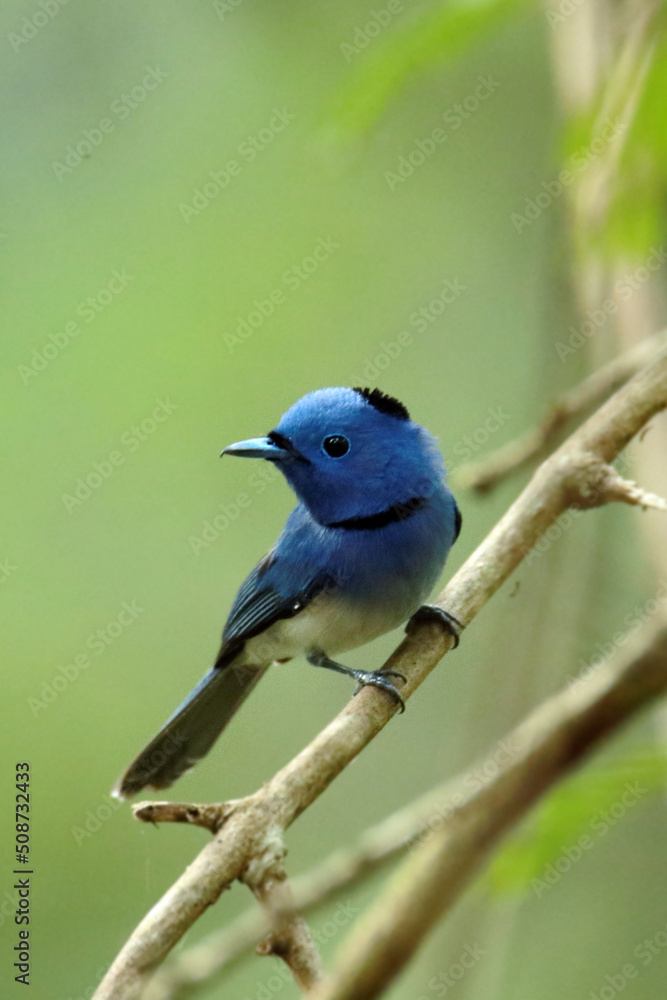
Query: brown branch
{"type": "Point", "coordinates": [285, 932]}
{"type": "Point", "coordinates": [375, 847]}
{"type": "Point", "coordinates": [575, 475]}
{"type": "Point", "coordinates": [554, 739]}
{"type": "Point", "coordinates": [289, 936]}
{"type": "Point", "coordinates": [483, 475]}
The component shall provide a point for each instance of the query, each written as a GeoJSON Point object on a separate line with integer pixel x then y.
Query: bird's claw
{"type": "Point", "coordinates": [393, 673]}
{"type": "Point", "coordinates": [378, 679]}
{"type": "Point", "coordinates": [434, 613]}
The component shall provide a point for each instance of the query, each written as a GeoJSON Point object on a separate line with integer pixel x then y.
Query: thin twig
{"type": "Point", "coordinates": [575, 475]}
{"type": "Point", "coordinates": [484, 475]}
{"type": "Point", "coordinates": [289, 936]}
{"type": "Point", "coordinates": [210, 815]}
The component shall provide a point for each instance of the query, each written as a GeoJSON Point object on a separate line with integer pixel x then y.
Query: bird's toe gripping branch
{"type": "Point", "coordinates": [376, 678]}
{"type": "Point", "coordinates": [434, 613]}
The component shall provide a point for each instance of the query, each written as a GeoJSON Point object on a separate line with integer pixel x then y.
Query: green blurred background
{"type": "Point", "coordinates": [167, 338]}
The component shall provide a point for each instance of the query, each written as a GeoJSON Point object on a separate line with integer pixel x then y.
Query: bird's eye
{"type": "Point", "coordinates": [336, 445]}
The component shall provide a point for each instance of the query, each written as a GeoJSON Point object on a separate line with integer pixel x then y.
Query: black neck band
{"type": "Point", "coordinates": [397, 512]}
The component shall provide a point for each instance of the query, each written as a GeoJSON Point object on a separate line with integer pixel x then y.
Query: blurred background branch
{"type": "Point", "coordinates": [485, 474]}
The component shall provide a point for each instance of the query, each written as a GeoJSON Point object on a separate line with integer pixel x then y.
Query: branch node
{"type": "Point", "coordinates": [290, 938]}
{"type": "Point", "coordinates": [593, 482]}
{"type": "Point", "coordinates": [265, 867]}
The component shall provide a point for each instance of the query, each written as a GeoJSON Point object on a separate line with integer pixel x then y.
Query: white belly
{"type": "Point", "coordinates": [329, 624]}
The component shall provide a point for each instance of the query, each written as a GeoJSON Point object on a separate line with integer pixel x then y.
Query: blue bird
{"type": "Point", "coordinates": [358, 555]}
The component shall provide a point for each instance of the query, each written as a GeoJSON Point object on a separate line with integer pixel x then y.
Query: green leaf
{"type": "Point", "coordinates": [634, 221]}
{"type": "Point", "coordinates": [588, 806]}
{"type": "Point", "coordinates": [429, 38]}
{"type": "Point", "coordinates": [636, 216]}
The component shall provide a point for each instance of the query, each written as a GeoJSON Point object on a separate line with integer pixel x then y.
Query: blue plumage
{"type": "Point", "coordinates": [358, 555]}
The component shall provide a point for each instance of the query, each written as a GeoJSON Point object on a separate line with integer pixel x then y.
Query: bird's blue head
{"type": "Point", "coordinates": [350, 453]}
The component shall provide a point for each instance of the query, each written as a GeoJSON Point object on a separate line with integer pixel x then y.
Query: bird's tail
{"type": "Point", "coordinates": [191, 731]}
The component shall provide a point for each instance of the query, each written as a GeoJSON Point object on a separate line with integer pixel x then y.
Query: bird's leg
{"type": "Point", "coordinates": [377, 678]}
{"type": "Point", "coordinates": [434, 613]}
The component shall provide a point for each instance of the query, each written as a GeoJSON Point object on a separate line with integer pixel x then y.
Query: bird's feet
{"type": "Point", "coordinates": [376, 678]}
{"type": "Point", "coordinates": [434, 613]}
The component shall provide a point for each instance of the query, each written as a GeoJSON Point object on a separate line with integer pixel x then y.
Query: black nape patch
{"type": "Point", "coordinates": [383, 402]}
{"type": "Point", "coordinates": [458, 521]}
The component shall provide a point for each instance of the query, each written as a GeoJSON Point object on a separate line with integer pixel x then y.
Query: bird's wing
{"type": "Point", "coordinates": [265, 597]}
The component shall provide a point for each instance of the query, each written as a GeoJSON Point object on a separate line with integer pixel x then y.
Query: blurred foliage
{"type": "Point", "coordinates": [429, 39]}
{"type": "Point", "coordinates": [432, 38]}
{"type": "Point", "coordinates": [636, 219]}
{"type": "Point", "coordinates": [587, 806]}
